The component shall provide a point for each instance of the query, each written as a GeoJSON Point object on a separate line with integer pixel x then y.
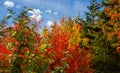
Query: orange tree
{"type": "Point", "coordinates": [65, 54]}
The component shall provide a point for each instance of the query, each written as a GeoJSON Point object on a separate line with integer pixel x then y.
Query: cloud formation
{"type": "Point", "coordinates": [49, 23]}
{"type": "Point", "coordinates": [36, 14]}
{"type": "Point", "coordinates": [37, 17]}
{"type": "Point", "coordinates": [48, 11]}
{"type": "Point", "coordinates": [9, 4]}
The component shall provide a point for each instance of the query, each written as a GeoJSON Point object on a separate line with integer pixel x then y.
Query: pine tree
{"type": "Point", "coordinates": [92, 14]}
{"type": "Point", "coordinates": [91, 22]}
{"type": "Point", "coordinates": [103, 36]}
{"type": "Point", "coordinates": [90, 25]}
{"type": "Point", "coordinates": [106, 59]}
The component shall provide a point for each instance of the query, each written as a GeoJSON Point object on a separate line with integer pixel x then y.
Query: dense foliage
{"type": "Point", "coordinates": [24, 50]}
{"type": "Point", "coordinates": [73, 46]}
{"type": "Point", "coordinates": [104, 35]}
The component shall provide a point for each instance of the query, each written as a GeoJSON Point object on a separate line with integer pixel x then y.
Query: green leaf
{"type": "Point", "coordinates": [65, 65]}
{"type": "Point", "coordinates": [9, 45]}
{"type": "Point", "coordinates": [13, 33]}
{"type": "Point", "coordinates": [42, 47]}
{"type": "Point", "coordinates": [51, 60]}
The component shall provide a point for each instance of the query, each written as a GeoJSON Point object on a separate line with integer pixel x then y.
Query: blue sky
{"type": "Point", "coordinates": [48, 10]}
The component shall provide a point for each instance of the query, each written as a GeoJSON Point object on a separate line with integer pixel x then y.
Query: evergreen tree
{"type": "Point", "coordinates": [90, 25]}
{"type": "Point", "coordinates": [103, 36]}
{"type": "Point", "coordinates": [92, 14]}
{"type": "Point", "coordinates": [106, 59]}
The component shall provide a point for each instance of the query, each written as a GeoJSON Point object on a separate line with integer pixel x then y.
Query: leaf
{"type": "Point", "coordinates": [13, 33]}
{"type": "Point", "coordinates": [51, 60]}
{"type": "Point", "coordinates": [64, 63]}
{"type": "Point", "coordinates": [42, 47]}
{"type": "Point", "coordinates": [9, 46]}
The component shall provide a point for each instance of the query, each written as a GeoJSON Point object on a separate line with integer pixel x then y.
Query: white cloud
{"type": "Point", "coordinates": [48, 11]}
{"type": "Point", "coordinates": [55, 13]}
{"type": "Point", "coordinates": [36, 14]}
{"type": "Point", "coordinates": [9, 3]}
{"type": "Point", "coordinates": [36, 17]}
{"type": "Point", "coordinates": [49, 23]}
{"type": "Point", "coordinates": [35, 11]}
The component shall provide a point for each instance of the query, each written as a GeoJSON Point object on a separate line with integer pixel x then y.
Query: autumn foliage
{"type": "Point", "coordinates": [65, 51]}
{"type": "Point", "coordinates": [72, 46]}
{"type": "Point", "coordinates": [24, 50]}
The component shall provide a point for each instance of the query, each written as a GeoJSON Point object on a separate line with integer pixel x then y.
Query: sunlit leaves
{"type": "Point", "coordinates": [64, 53]}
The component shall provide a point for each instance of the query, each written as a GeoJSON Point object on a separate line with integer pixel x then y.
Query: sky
{"type": "Point", "coordinates": [46, 10]}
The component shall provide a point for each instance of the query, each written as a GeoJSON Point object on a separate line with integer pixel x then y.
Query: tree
{"type": "Point", "coordinates": [64, 51]}
{"type": "Point", "coordinates": [28, 56]}
{"type": "Point", "coordinates": [104, 37]}
{"type": "Point", "coordinates": [90, 25]}
{"type": "Point", "coordinates": [106, 59]}
{"type": "Point", "coordinates": [92, 14]}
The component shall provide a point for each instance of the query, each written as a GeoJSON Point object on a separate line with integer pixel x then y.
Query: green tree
{"type": "Point", "coordinates": [27, 57]}
{"type": "Point", "coordinates": [103, 36]}
{"type": "Point", "coordinates": [92, 14]}
{"type": "Point", "coordinates": [106, 59]}
{"type": "Point", "coordinates": [90, 24]}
